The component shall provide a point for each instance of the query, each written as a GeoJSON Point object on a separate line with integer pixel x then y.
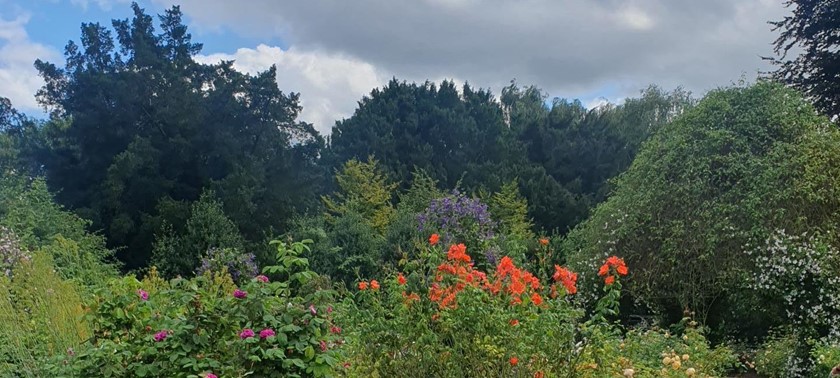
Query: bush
{"type": "Point", "coordinates": [190, 328]}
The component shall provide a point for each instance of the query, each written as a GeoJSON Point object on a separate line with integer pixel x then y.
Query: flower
{"type": "Point", "coordinates": [262, 278]}
{"type": "Point", "coordinates": [266, 333]}
{"type": "Point", "coordinates": [329, 309]}
{"type": "Point", "coordinates": [374, 284]}
{"type": "Point", "coordinates": [143, 294]}
{"type": "Point", "coordinates": [536, 299]}
{"type": "Point", "coordinates": [210, 375]}
{"type": "Point", "coordinates": [363, 285]}
{"type": "Point", "coordinates": [240, 294]}
{"type": "Point", "coordinates": [434, 239]}
{"type": "Point", "coordinates": [566, 277]}
{"type": "Point", "coordinates": [609, 280]}
{"type": "Point", "coordinates": [335, 329]}
{"type": "Point", "coordinates": [313, 310]}
{"type": "Point", "coordinates": [543, 241]}
{"type": "Point", "coordinates": [323, 346]}
{"type": "Point", "coordinates": [514, 322]}
{"type": "Point", "coordinates": [612, 262]}
{"type": "Point", "coordinates": [628, 373]}
{"type": "Point", "coordinates": [160, 336]}
{"type": "Point", "coordinates": [539, 374]}
{"type": "Point", "coordinates": [401, 279]}
{"type": "Point", "coordinates": [246, 333]}
{"type": "Point", "coordinates": [458, 253]}
{"type": "Point", "coordinates": [514, 361]}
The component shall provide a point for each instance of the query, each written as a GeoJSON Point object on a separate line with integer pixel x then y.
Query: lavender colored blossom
{"type": "Point", "coordinates": [457, 217]}
{"type": "Point", "coordinates": [239, 265]}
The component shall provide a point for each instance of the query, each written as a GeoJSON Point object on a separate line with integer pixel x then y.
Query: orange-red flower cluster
{"type": "Point", "coordinates": [460, 272]}
{"type": "Point", "coordinates": [613, 263]}
{"type": "Point", "coordinates": [516, 282]}
{"type": "Point", "coordinates": [566, 277]}
{"type": "Point", "coordinates": [543, 241]}
{"type": "Point", "coordinates": [401, 279]}
{"type": "Point", "coordinates": [374, 285]}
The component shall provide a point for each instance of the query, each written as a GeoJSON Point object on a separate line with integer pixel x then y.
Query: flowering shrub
{"type": "Point", "coordinates": [208, 326]}
{"type": "Point", "coordinates": [443, 317]}
{"type": "Point", "coordinates": [459, 219]}
{"type": "Point", "coordinates": [10, 251]}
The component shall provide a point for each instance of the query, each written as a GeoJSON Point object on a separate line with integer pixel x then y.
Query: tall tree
{"type": "Point", "coordinates": [812, 34]}
{"type": "Point", "coordinates": [146, 122]}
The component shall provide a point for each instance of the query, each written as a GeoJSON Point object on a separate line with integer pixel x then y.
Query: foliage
{"type": "Point", "coordinates": [28, 210]}
{"type": "Point", "coordinates": [810, 33]}
{"type": "Point", "coordinates": [189, 328]}
{"type": "Point", "coordinates": [207, 228]}
{"type": "Point", "coordinates": [136, 119]}
{"type": "Point", "coordinates": [40, 317]}
{"type": "Point", "coordinates": [363, 190]}
{"type": "Point", "coordinates": [744, 162]}
{"type": "Point", "coordinates": [457, 218]}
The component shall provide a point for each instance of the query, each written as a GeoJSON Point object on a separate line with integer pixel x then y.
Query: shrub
{"type": "Point", "coordinates": [189, 328]}
{"type": "Point", "coordinates": [241, 266]}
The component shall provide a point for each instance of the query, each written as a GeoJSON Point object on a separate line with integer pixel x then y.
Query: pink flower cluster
{"type": "Point", "coordinates": [268, 332]}
{"type": "Point", "coordinates": [246, 333]}
{"type": "Point", "coordinates": [143, 294]}
{"type": "Point", "coordinates": [262, 278]}
{"type": "Point", "coordinates": [239, 294]}
{"type": "Point", "coordinates": [160, 336]}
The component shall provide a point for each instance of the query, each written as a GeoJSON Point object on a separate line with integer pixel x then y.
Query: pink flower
{"type": "Point", "coordinates": [329, 309]}
{"type": "Point", "coordinates": [323, 346]}
{"type": "Point", "coordinates": [335, 329]}
{"type": "Point", "coordinates": [143, 294]}
{"type": "Point", "coordinates": [268, 332]}
{"type": "Point", "coordinates": [240, 294]}
{"type": "Point", "coordinates": [312, 310]}
{"type": "Point", "coordinates": [262, 278]}
{"type": "Point", "coordinates": [210, 375]}
{"type": "Point", "coordinates": [246, 333]}
{"type": "Point", "coordinates": [160, 336]}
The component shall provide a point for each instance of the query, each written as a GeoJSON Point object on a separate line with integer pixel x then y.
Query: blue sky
{"type": "Point", "coordinates": [335, 51]}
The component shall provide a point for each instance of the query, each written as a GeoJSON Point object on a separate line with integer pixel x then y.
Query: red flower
{"type": "Point", "coordinates": [458, 253]}
{"type": "Point", "coordinates": [514, 361]}
{"type": "Point", "coordinates": [544, 241]}
{"type": "Point", "coordinates": [363, 285]}
{"type": "Point", "coordinates": [536, 299]}
{"type": "Point", "coordinates": [566, 277]}
{"type": "Point", "coordinates": [613, 262]}
{"type": "Point", "coordinates": [539, 374]}
{"type": "Point", "coordinates": [401, 279]}
{"type": "Point", "coordinates": [434, 239]}
{"type": "Point", "coordinates": [514, 322]}
{"type": "Point", "coordinates": [374, 284]}
{"type": "Point", "coordinates": [609, 280]}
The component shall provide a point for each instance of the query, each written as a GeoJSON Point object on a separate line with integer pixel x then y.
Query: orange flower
{"type": "Point", "coordinates": [514, 322]}
{"type": "Point", "coordinates": [436, 316]}
{"type": "Point", "coordinates": [622, 270]}
{"type": "Point", "coordinates": [539, 374]}
{"type": "Point", "coordinates": [363, 285]}
{"type": "Point", "coordinates": [514, 361]}
{"type": "Point", "coordinates": [604, 270]}
{"type": "Point", "coordinates": [434, 239]}
{"type": "Point", "coordinates": [609, 280]}
{"type": "Point", "coordinates": [536, 299]}
{"type": "Point", "coordinates": [544, 241]}
{"type": "Point", "coordinates": [458, 253]}
{"type": "Point", "coordinates": [401, 279]}
{"type": "Point", "coordinates": [374, 284]}
{"type": "Point", "coordinates": [566, 277]}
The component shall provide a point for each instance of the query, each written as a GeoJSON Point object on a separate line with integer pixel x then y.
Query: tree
{"type": "Point", "coordinates": [363, 190]}
{"type": "Point", "coordinates": [813, 32]}
{"type": "Point", "coordinates": [136, 120]}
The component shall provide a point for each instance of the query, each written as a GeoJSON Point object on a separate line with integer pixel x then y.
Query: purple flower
{"type": "Point", "coordinates": [266, 333]}
{"type": "Point", "coordinates": [246, 333]}
{"type": "Point", "coordinates": [262, 278]}
{"type": "Point", "coordinates": [160, 336]}
{"type": "Point", "coordinates": [143, 294]}
{"type": "Point", "coordinates": [240, 294]}
{"type": "Point", "coordinates": [312, 310]}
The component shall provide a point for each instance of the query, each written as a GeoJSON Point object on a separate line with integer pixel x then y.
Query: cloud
{"type": "Point", "coordinates": [566, 47]}
{"type": "Point", "coordinates": [330, 84]}
{"type": "Point", "coordinates": [105, 5]}
{"type": "Point", "coordinates": [19, 79]}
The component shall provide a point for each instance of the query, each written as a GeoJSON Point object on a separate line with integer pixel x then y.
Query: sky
{"type": "Point", "coordinates": [333, 52]}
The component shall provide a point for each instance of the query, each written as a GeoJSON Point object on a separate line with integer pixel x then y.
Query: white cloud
{"type": "Point", "coordinates": [19, 79]}
{"type": "Point", "coordinates": [105, 5]}
{"type": "Point", "coordinates": [330, 84]}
